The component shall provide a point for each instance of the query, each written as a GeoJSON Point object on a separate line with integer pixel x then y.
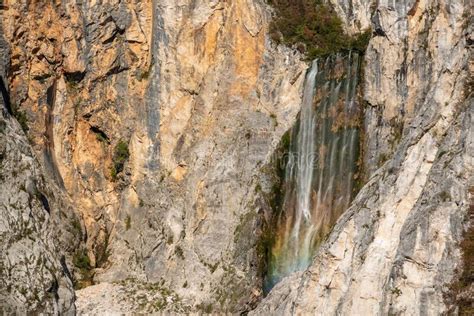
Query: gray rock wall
{"type": "Point", "coordinates": [37, 231]}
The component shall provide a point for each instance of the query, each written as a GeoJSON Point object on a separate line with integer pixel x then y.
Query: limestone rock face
{"type": "Point", "coordinates": [199, 96]}
{"type": "Point", "coordinates": [78, 73]}
{"type": "Point", "coordinates": [39, 229]}
{"type": "Point", "coordinates": [36, 231]}
{"type": "Point", "coordinates": [355, 14]}
{"type": "Point", "coordinates": [217, 94]}
{"type": "Point", "coordinates": [395, 250]}
{"type": "Point", "coordinates": [150, 127]}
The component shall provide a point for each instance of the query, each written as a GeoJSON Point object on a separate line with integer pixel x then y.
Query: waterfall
{"type": "Point", "coordinates": [305, 146]}
{"type": "Point", "coordinates": [321, 167]}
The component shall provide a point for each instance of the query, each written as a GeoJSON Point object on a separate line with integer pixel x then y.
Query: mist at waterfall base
{"type": "Point", "coordinates": [321, 165]}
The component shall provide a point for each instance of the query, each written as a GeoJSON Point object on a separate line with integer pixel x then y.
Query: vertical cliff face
{"type": "Point", "coordinates": [155, 118]}
{"type": "Point", "coordinates": [77, 72]}
{"type": "Point", "coordinates": [395, 250]}
{"type": "Point", "coordinates": [38, 230]}
{"type": "Point", "coordinates": [215, 112]}
{"type": "Point", "coordinates": [148, 129]}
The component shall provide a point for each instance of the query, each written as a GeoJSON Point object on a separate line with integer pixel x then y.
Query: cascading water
{"type": "Point", "coordinates": [321, 165]}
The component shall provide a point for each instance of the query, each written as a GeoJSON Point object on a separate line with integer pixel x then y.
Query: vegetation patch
{"type": "Point", "coordinates": [76, 228]}
{"type": "Point", "coordinates": [128, 222]}
{"type": "Point", "coordinates": [121, 154]}
{"type": "Point", "coordinates": [383, 158]}
{"type": "Point", "coordinates": [154, 297]}
{"type": "Point", "coordinates": [102, 251]}
{"type": "Point", "coordinates": [82, 262]}
{"type": "Point", "coordinates": [314, 28]}
{"type": "Point", "coordinates": [396, 291]}
{"type": "Point", "coordinates": [20, 117]}
{"type": "Point", "coordinates": [179, 252]}
{"type": "Point", "coordinates": [461, 289]}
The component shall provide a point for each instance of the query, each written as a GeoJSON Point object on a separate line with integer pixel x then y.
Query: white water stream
{"type": "Point", "coordinates": [322, 163]}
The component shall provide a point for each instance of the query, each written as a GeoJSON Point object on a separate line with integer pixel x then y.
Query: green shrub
{"type": "Point", "coordinates": [121, 155]}
{"type": "Point", "coordinates": [313, 27]}
{"type": "Point", "coordinates": [463, 283]}
{"type": "Point", "coordinates": [113, 173]}
{"type": "Point", "coordinates": [23, 120]}
{"type": "Point", "coordinates": [81, 260]}
{"type": "Point", "coordinates": [361, 41]}
{"type": "Point", "coordinates": [383, 157]}
{"type": "Point", "coordinates": [396, 291]}
{"type": "Point", "coordinates": [143, 75]}
{"type": "Point", "coordinates": [20, 117]}
{"type": "Point", "coordinates": [128, 222]}
{"type": "Point", "coordinates": [76, 227]}
{"type": "Point", "coordinates": [285, 142]}
{"type": "Point", "coordinates": [179, 252]}
{"type": "Point", "coordinates": [102, 251]}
